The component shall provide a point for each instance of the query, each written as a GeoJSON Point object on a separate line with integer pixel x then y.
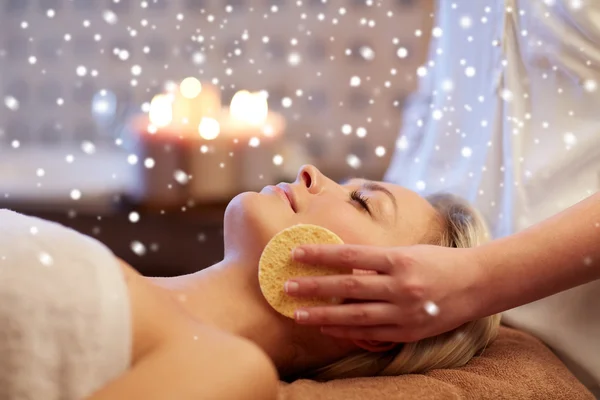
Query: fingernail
{"type": "Point", "coordinates": [291, 287]}
{"type": "Point", "coordinates": [301, 315]}
{"type": "Point", "coordinates": [298, 253]}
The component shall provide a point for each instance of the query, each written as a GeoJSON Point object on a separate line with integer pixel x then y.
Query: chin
{"type": "Point", "coordinates": [251, 220]}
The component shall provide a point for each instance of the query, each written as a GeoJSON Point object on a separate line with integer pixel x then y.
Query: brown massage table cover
{"type": "Point", "coordinates": [515, 366]}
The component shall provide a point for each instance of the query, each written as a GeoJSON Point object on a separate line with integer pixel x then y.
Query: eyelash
{"type": "Point", "coordinates": [360, 199]}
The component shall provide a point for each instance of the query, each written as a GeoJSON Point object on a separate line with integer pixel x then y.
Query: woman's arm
{"type": "Point", "coordinates": [210, 365]}
{"type": "Point", "coordinates": [555, 255]}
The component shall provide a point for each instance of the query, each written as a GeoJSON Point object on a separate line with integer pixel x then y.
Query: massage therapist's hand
{"type": "Point", "coordinates": [402, 294]}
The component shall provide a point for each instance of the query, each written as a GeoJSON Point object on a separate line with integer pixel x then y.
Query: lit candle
{"type": "Point", "coordinates": [170, 136]}
{"type": "Point", "coordinates": [249, 108]}
{"type": "Point", "coordinates": [248, 116]}
{"type": "Point", "coordinates": [209, 128]}
{"type": "Point", "coordinates": [161, 110]}
{"type": "Point", "coordinates": [249, 120]}
{"type": "Point", "coordinates": [192, 101]}
{"type": "Point", "coordinates": [224, 150]}
{"type": "Point", "coordinates": [190, 88]}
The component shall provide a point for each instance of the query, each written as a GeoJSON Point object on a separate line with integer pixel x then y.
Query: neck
{"type": "Point", "coordinates": [227, 296]}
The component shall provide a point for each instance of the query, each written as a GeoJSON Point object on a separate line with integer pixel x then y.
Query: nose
{"type": "Point", "coordinates": [310, 177]}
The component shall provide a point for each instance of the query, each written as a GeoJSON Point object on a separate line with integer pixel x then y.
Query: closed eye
{"type": "Point", "coordinates": [361, 199]}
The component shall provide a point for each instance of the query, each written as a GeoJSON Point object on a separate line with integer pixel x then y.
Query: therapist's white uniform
{"type": "Point", "coordinates": [508, 116]}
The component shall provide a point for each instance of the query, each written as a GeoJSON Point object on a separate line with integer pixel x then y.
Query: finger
{"type": "Point", "coordinates": [383, 333]}
{"type": "Point", "coordinates": [348, 256]}
{"type": "Point", "coordinates": [363, 272]}
{"type": "Point", "coordinates": [360, 287]}
{"type": "Point", "coordinates": [358, 314]}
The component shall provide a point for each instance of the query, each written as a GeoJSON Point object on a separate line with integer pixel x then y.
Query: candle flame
{"type": "Point", "coordinates": [190, 88]}
{"type": "Point", "coordinates": [209, 128]}
{"type": "Point", "coordinates": [251, 108]}
{"type": "Point", "coordinates": [161, 110]}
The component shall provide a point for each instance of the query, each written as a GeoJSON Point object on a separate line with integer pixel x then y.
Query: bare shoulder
{"type": "Point", "coordinates": [176, 357]}
{"type": "Point", "coordinates": [224, 366]}
{"type": "Point", "coordinates": [203, 363]}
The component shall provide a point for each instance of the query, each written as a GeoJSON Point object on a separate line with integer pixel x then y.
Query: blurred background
{"type": "Point", "coordinates": [137, 121]}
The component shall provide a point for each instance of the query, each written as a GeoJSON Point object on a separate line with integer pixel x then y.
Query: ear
{"type": "Point", "coordinates": [375, 346]}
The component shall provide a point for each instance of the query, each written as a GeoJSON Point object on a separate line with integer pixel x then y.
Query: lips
{"type": "Point", "coordinates": [281, 194]}
{"type": "Point", "coordinates": [288, 193]}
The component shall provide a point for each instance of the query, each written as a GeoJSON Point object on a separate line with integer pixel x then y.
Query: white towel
{"type": "Point", "coordinates": [65, 324]}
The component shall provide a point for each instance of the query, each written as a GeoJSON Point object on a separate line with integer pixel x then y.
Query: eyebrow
{"type": "Point", "coordinates": [372, 186]}
{"type": "Point", "coordinates": [376, 187]}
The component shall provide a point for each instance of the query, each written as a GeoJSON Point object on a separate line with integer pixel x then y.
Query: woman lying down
{"type": "Point", "coordinates": [76, 322]}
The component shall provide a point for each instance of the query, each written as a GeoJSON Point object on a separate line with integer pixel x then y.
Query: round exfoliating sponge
{"type": "Point", "coordinates": [276, 267]}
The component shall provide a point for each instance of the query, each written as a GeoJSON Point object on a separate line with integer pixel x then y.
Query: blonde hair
{"type": "Point", "coordinates": [462, 227]}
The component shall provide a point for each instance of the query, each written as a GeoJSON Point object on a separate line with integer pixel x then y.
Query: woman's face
{"type": "Point", "coordinates": [359, 212]}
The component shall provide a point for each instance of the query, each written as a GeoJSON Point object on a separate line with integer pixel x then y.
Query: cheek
{"type": "Point", "coordinates": [346, 221]}
{"type": "Point", "coordinates": [252, 219]}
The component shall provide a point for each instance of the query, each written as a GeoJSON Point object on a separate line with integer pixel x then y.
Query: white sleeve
{"type": "Point", "coordinates": [415, 114]}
